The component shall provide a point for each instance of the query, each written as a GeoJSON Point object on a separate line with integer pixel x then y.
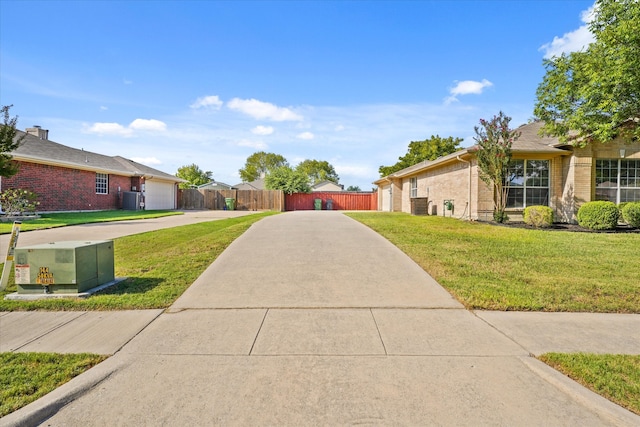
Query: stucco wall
{"type": "Point", "coordinates": [64, 189]}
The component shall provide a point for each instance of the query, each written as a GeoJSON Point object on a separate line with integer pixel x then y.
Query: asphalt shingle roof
{"type": "Point", "coordinates": [35, 149]}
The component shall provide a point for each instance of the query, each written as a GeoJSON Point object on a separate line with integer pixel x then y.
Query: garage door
{"type": "Point", "coordinates": [159, 195]}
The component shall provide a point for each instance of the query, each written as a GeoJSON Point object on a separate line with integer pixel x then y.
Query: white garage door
{"type": "Point", "coordinates": [159, 195]}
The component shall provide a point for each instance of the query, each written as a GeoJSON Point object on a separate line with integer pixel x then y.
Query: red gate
{"type": "Point", "coordinates": [333, 200]}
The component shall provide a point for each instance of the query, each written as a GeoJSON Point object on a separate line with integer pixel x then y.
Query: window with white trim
{"type": "Point", "coordinates": [618, 180]}
{"type": "Point", "coordinates": [413, 183]}
{"type": "Point", "coordinates": [527, 183]}
{"type": "Point", "coordinates": [102, 183]}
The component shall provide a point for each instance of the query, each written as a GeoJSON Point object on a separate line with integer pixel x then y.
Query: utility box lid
{"type": "Point", "coordinates": [64, 267]}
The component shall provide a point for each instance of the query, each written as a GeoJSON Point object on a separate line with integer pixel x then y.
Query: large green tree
{"type": "Point", "coordinates": [595, 94]}
{"type": "Point", "coordinates": [418, 151]}
{"type": "Point", "coordinates": [259, 164]}
{"type": "Point", "coordinates": [8, 143]}
{"type": "Point", "coordinates": [288, 180]}
{"type": "Point", "coordinates": [318, 171]}
{"type": "Point", "coordinates": [194, 175]}
{"type": "Point", "coordinates": [493, 152]}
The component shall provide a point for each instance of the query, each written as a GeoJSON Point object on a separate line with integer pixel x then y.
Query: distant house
{"type": "Point", "coordinates": [258, 184]}
{"type": "Point", "coordinates": [215, 185]}
{"type": "Point", "coordinates": [327, 186]}
{"type": "Point", "coordinates": [544, 171]}
{"type": "Point", "coordinates": [71, 179]}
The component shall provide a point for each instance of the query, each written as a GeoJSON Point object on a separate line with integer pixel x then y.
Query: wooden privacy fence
{"type": "Point", "coordinates": [343, 201]}
{"type": "Point", "coordinates": [245, 200]}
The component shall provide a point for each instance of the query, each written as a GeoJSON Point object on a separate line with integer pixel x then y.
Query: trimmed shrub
{"type": "Point", "coordinates": [631, 214]}
{"type": "Point", "coordinates": [621, 207]}
{"type": "Point", "coordinates": [599, 215]}
{"type": "Point", "coordinates": [538, 216]}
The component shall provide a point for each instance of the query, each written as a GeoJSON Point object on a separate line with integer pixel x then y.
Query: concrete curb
{"type": "Point", "coordinates": [603, 407]}
{"type": "Point", "coordinates": [43, 408]}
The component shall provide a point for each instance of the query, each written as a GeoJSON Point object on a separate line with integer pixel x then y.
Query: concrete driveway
{"type": "Point", "coordinates": [311, 318]}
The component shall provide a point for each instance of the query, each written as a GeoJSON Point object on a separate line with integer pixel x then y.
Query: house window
{"type": "Point", "coordinates": [527, 183]}
{"type": "Point", "coordinates": [618, 180]}
{"type": "Point", "coordinates": [102, 183]}
{"type": "Point", "coordinates": [414, 186]}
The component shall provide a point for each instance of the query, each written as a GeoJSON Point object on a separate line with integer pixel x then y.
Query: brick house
{"type": "Point", "coordinates": [543, 172]}
{"type": "Point", "coordinates": [70, 179]}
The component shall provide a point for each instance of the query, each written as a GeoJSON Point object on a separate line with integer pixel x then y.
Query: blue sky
{"type": "Point", "coordinates": [171, 83]}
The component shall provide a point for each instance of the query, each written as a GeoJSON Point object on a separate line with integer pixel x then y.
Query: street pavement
{"type": "Point", "coordinates": [311, 318]}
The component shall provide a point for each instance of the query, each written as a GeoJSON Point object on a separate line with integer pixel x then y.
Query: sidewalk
{"type": "Point", "coordinates": [310, 318]}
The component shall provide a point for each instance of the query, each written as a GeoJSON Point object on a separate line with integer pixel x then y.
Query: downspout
{"type": "Point", "coordinates": [469, 186]}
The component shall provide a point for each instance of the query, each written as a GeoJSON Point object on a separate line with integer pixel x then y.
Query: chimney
{"type": "Point", "coordinates": [38, 132]}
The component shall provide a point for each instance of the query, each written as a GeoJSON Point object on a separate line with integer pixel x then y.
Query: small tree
{"type": "Point", "coordinates": [288, 180]}
{"type": "Point", "coordinates": [194, 175]}
{"type": "Point", "coordinates": [8, 143]}
{"type": "Point", "coordinates": [494, 140]}
{"type": "Point", "coordinates": [353, 188]}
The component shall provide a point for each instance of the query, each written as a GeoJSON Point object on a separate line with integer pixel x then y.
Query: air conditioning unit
{"type": "Point", "coordinates": [64, 267]}
{"type": "Point", "coordinates": [131, 200]}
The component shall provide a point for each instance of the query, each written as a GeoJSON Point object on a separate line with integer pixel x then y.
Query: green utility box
{"type": "Point", "coordinates": [64, 267]}
{"type": "Point", "coordinates": [317, 204]}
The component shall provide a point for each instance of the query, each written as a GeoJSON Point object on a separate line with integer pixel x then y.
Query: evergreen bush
{"type": "Point", "coordinates": [538, 216]}
{"type": "Point", "coordinates": [631, 214]}
{"type": "Point", "coordinates": [600, 215]}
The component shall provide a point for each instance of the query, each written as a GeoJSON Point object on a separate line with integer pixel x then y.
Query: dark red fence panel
{"type": "Point", "coordinates": [337, 201]}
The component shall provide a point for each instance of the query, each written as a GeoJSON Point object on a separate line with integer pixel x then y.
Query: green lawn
{"type": "Point", "coordinates": [53, 220]}
{"type": "Point", "coordinates": [25, 377]}
{"type": "Point", "coordinates": [501, 268]}
{"type": "Point", "coordinates": [616, 377]}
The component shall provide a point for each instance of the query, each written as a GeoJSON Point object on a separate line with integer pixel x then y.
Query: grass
{"type": "Point", "coordinates": [160, 266]}
{"type": "Point", "coordinates": [616, 377]}
{"type": "Point", "coordinates": [25, 377]}
{"type": "Point", "coordinates": [53, 220]}
{"type": "Point", "coordinates": [500, 268]}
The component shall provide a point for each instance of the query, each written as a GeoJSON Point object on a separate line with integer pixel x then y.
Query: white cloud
{"type": "Point", "coordinates": [467, 87]}
{"type": "Point", "coordinates": [263, 110]}
{"type": "Point", "coordinates": [109, 129]}
{"type": "Point", "coordinates": [207, 101]}
{"type": "Point", "coordinates": [305, 135]}
{"type": "Point", "coordinates": [148, 124]}
{"type": "Point", "coordinates": [149, 161]}
{"type": "Point", "coordinates": [127, 81]}
{"type": "Point", "coordinates": [572, 41]}
{"type": "Point", "coordinates": [258, 145]}
{"type": "Point", "coordinates": [118, 129]}
{"type": "Point", "coordinates": [263, 130]}
{"type": "Point", "coordinates": [339, 128]}
{"type": "Point", "coordinates": [103, 108]}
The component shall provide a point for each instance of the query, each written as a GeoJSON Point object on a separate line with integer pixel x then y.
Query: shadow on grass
{"type": "Point", "coordinates": [132, 285]}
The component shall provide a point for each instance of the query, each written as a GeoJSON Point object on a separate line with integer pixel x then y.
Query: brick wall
{"type": "Point", "coordinates": [448, 182]}
{"type": "Point", "coordinates": [64, 189]}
